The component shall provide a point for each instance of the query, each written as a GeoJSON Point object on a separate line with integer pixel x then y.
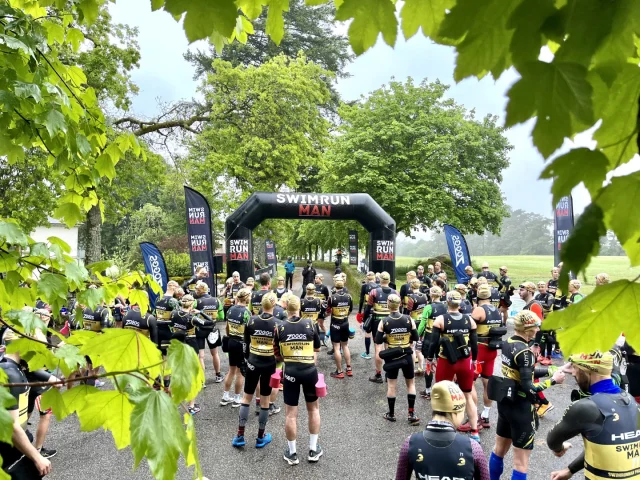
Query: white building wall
{"type": "Point", "coordinates": [68, 235]}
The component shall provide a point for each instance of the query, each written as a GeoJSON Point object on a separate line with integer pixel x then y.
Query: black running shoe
{"type": "Point", "coordinates": [48, 453]}
{"type": "Point", "coordinates": [314, 455]}
{"type": "Point", "coordinates": [291, 458]}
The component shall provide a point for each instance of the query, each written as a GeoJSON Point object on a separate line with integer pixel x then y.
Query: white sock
{"type": "Point", "coordinates": [225, 395]}
{"type": "Point", "coordinates": [485, 412]}
{"type": "Point", "coordinates": [292, 446]}
{"type": "Point", "coordinates": [313, 441]}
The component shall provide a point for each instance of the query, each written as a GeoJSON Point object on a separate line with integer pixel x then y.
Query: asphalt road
{"type": "Point", "coordinates": [358, 443]}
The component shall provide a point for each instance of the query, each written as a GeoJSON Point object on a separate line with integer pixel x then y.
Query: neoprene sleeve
{"type": "Point", "coordinates": [473, 343]}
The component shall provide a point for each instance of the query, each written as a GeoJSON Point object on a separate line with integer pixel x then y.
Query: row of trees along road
{"type": "Point", "coordinates": [66, 90]}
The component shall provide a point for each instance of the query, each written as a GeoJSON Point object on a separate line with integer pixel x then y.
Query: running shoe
{"type": "Point", "coordinates": [273, 409]}
{"type": "Point", "coordinates": [237, 401]}
{"type": "Point", "coordinates": [466, 426]}
{"type": "Point", "coordinates": [419, 373]}
{"type": "Point", "coordinates": [264, 441]}
{"type": "Point", "coordinates": [314, 455]}
{"type": "Point", "coordinates": [365, 355]}
{"type": "Point", "coordinates": [557, 354]}
{"type": "Point", "coordinates": [425, 394]}
{"type": "Point", "coordinates": [484, 422]}
{"type": "Point", "coordinates": [330, 352]}
{"type": "Point", "coordinates": [204, 385]}
{"type": "Point", "coordinates": [48, 453]}
{"type": "Point", "coordinates": [226, 400]}
{"type": "Point", "coordinates": [388, 416]}
{"type": "Point", "coordinates": [337, 374]}
{"type": "Point", "coordinates": [291, 458]}
{"type": "Point", "coordinates": [238, 441]}
{"type": "Point", "coordinates": [375, 378]}
{"type": "Point", "coordinates": [349, 372]}
{"type": "Point", "coordinates": [193, 410]}
{"type": "Point", "coordinates": [475, 436]}
{"type": "Point", "coordinates": [219, 378]}
{"type": "Point", "coordinates": [544, 409]}
{"type": "Point", "coordinates": [413, 420]}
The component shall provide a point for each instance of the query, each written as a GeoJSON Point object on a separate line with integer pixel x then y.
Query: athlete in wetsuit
{"type": "Point", "coordinates": [261, 364]}
{"type": "Point", "coordinates": [144, 324]}
{"type": "Point", "coordinates": [466, 306]}
{"type": "Point", "coordinates": [231, 292]}
{"type": "Point", "coordinates": [607, 420]}
{"type": "Point", "coordinates": [280, 289]}
{"type": "Point", "coordinates": [439, 452]}
{"type": "Point", "coordinates": [425, 329]}
{"type": "Point", "coordinates": [516, 397]}
{"type": "Point", "coordinates": [365, 290]}
{"type": "Point", "coordinates": [405, 290]}
{"type": "Point", "coordinates": [164, 307]}
{"type": "Point", "coordinates": [416, 303]}
{"type": "Point", "coordinates": [506, 291]}
{"type": "Point", "coordinates": [257, 295]}
{"type": "Point", "coordinates": [212, 307]}
{"type": "Point", "coordinates": [425, 280]}
{"type": "Point", "coordinates": [311, 308]}
{"type": "Point", "coordinates": [377, 306]}
{"type": "Point", "coordinates": [545, 299]}
{"type": "Point", "coordinates": [399, 332]}
{"type": "Point", "coordinates": [21, 460]}
{"type": "Point", "coordinates": [491, 277]}
{"type": "Point", "coordinates": [339, 307]}
{"type": "Point", "coordinates": [296, 343]}
{"type": "Point", "coordinates": [183, 324]}
{"type": "Point", "coordinates": [455, 341]}
{"type": "Point", "coordinates": [490, 331]}
{"type": "Point", "coordinates": [237, 318]}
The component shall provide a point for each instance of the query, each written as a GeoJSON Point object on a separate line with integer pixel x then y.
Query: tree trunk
{"type": "Point", "coordinates": [93, 240]}
{"type": "Point", "coordinates": [316, 255]}
{"type": "Point", "coordinates": [330, 255]}
{"type": "Point", "coordinates": [309, 252]}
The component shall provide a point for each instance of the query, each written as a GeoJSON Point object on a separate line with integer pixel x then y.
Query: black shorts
{"type": "Point", "coordinates": [340, 331]}
{"type": "Point", "coordinates": [217, 342]}
{"type": "Point", "coordinates": [294, 379]}
{"type": "Point", "coordinates": [258, 375]}
{"type": "Point", "coordinates": [393, 367]}
{"type": "Point", "coordinates": [235, 352]}
{"type": "Point", "coordinates": [518, 421]}
{"type": "Point", "coordinates": [193, 343]}
{"type": "Point", "coordinates": [35, 394]}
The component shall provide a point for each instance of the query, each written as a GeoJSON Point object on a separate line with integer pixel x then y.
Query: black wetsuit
{"type": "Point", "coordinates": [145, 324]}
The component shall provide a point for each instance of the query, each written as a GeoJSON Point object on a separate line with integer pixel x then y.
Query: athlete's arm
{"type": "Point", "coordinates": [350, 304]}
{"type": "Point", "coordinates": [525, 363]}
{"type": "Point", "coordinates": [276, 345]}
{"type": "Point", "coordinates": [205, 321]}
{"type": "Point", "coordinates": [481, 470]}
{"type": "Point", "coordinates": [403, 470]}
{"type": "Point", "coordinates": [22, 443]}
{"type": "Point", "coordinates": [581, 417]}
{"type": "Point", "coordinates": [424, 319]}
{"type": "Point", "coordinates": [363, 289]}
{"type": "Point", "coordinates": [473, 341]}
{"type": "Point", "coordinates": [186, 284]}
{"type": "Point", "coordinates": [414, 332]}
{"type": "Point", "coordinates": [380, 334]}
{"type": "Point", "coordinates": [435, 338]}
{"type": "Point", "coordinates": [153, 328]}
{"type": "Point", "coordinates": [500, 284]}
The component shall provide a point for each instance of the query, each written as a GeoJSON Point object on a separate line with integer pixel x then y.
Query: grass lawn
{"type": "Point", "coordinates": [538, 267]}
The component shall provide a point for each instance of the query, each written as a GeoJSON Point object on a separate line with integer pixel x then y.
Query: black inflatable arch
{"type": "Point", "coordinates": [310, 206]}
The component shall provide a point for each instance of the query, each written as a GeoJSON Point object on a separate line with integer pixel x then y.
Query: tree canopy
{"type": "Point", "coordinates": [423, 158]}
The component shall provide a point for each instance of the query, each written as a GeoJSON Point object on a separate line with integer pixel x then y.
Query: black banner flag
{"type": "Point", "coordinates": [199, 232]}
{"type": "Point", "coordinates": [563, 225]}
{"type": "Point", "coordinates": [353, 247]}
{"type": "Point", "coordinates": [270, 248]}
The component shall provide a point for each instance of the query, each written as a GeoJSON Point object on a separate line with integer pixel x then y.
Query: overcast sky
{"type": "Point", "coordinates": [164, 75]}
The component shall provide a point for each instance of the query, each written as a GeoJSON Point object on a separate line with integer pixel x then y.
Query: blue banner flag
{"type": "Point", "coordinates": [154, 265]}
{"type": "Point", "coordinates": [458, 251]}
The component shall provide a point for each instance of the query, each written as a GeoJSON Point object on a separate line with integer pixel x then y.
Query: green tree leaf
{"type": "Point", "coordinates": [427, 14]}
{"type": "Point", "coordinates": [110, 410]}
{"type": "Point", "coordinates": [140, 298]}
{"type": "Point", "coordinates": [583, 243]}
{"type": "Point", "coordinates": [187, 376]}
{"type": "Point", "coordinates": [619, 130]}
{"type": "Point", "coordinates": [275, 21]}
{"type": "Point", "coordinates": [52, 399]}
{"type": "Point", "coordinates": [55, 122]}
{"type": "Point", "coordinates": [251, 8]}
{"type": "Point", "coordinates": [370, 18]}
{"type": "Point", "coordinates": [619, 200]}
{"type": "Point", "coordinates": [26, 90]}
{"type": "Point", "coordinates": [122, 350]}
{"type": "Point", "coordinates": [10, 233]}
{"type": "Point", "coordinates": [157, 433]}
{"type": "Point", "coordinates": [52, 286]}
{"type": "Point", "coordinates": [76, 397]}
{"type": "Point", "coordinates": [35, 354]}
{"type": "Point", "coordinates": [202, 18]}
{"type": "Point", "coordinates": [61, 243]}
{"type": "Point", "coordinates": [91, 297]}
{"type": "Point", "coordinates": [556, 92]}
{"type": "Point", "coordinates": [99, 267]}
{"type": "Point", "coordinates": [69, 213]}
{"type": "Point", "coordinates": [71, 358]}
{"type": "Point", "coordinates": [75, 37]}
{"type": "Point", "coordinates": [6, 420]}
{"type": "Point", "coordinates": [76, 275]}
{"type": "Point", "coordinates": [570, 169]}
{"type": "Point", "coordinates": [27, 320]}
{"type": "Point", "coordinates": [527, 21]}
{"type": "Point", "coordinates": [106, 166]}
{"type": "Point", "coordinates": [192, 457]}
{"type": "Point", "coordinates": [596, 322]}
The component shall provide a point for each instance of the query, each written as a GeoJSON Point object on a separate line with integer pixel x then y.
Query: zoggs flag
{"type": "Point", "coordinates": [458, 251]}
{"type": "Point", "coordinates": [154, 266]}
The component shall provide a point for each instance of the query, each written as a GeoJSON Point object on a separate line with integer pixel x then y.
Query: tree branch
{"type": "Point", "coordinates": [145, 127]}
